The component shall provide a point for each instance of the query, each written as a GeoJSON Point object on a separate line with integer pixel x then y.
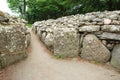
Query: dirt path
{"type": "Point", "coordinates": [41, 66]}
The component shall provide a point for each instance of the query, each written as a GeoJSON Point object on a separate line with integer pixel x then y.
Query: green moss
{"type": "Point", "coordinates": [59, 56]}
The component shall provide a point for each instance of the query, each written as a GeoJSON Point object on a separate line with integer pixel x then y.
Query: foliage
{"type": "Point", "coordinates": [59, 56]}
{"type": "Point", "coordinates": [18, 6]}
{"type": "Point", "coordinates": [44, 9]}
{"type": "Point", "coordinates": [29, 25]}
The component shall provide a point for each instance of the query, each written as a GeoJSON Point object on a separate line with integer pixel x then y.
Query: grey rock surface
{"type": "Point", "coordinates": [59, 35]}
{"type": "Point", "coordinates": [89, 28]}
{"type": "Point", "coordinates": [94, 50]}
{"type": "Point", "coordinates": [9, 59]}
{"type": "Point", "coordinates": [109, 36]}
{"type": "Point", "coordinates": [14, 40]}
{"type": "Point", "coordinates": [111, 28]}
{"type": "Point", "coordinates": [66, 42]}
{"type": "Point", "coordinates": [115, 60]}
{"type": "Point", "coordinates": [49, 41]}
{"type": "Point", "coordinates": [27, 41]}
{"type": "Point", "coordinates": [13, 44]}
{"type": "Point", "coordinates": [107, 21]}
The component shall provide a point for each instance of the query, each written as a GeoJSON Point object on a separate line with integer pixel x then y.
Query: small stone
{"type": "Point", "coordinates": [100, 23]}
{"type": "Point", "coordinates": [110, 46]}
{"type": "Point", "coordinates": [89, 28]}
{"type": "Point", "coordinates": [113, 16]}
{"type": "Point", "coordinates": [97, 20]}
{"type": "Point", "coordinates": [115, 22]}
{"type": "Point", "coordinates": [43, 36]}
{"type": "Point", "coordinates": [70, 25]}
{"type": "Point", "coordinates": [88, 17]}
{"type": "Point", "coordinates": [111, 28]}
{"type": "Point", "coordinates": [101, 15]}
{"type": "Point", "coordinates": [107, 21]}
{"type": "Point", "coordinates": [104, 42]}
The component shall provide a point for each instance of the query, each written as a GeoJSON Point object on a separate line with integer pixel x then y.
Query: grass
{"type": "Point", "coordinates": [59, 56]}
{"type": "Point", "coordinates": [29, 25]}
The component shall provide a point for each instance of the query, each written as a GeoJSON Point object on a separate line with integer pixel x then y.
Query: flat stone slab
{"type": "Point", "coordinates": [89, 28]}
{"type": "Point", "coordinates": [111, 28]}
{"type": "Point", "coordinates": [110, 36]}
{"type": "Point", "coordinates": [66, 42]}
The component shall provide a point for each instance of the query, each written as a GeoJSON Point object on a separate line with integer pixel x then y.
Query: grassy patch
{"type": "Point", "coordinates": [59, 56]}
{"type": "Point", "coordinates": [29, 25]}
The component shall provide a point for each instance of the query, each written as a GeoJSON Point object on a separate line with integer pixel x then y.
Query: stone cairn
{"type": "Point", "coordinates": [14, 39]}
{"type": "Point", "coordinates": [93, 36]}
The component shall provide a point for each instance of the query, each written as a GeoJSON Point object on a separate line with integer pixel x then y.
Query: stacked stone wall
{"type": "Point", "coordinates": [93, 36]}
{"type": "Point", "coordinates": [14, 40]}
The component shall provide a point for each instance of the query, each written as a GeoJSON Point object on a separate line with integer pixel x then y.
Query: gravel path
{"type": "Point", "coordinates": [41, 66]}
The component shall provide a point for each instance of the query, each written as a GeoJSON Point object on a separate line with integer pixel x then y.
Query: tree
{"type": "Point", "coordinates": [38, 10]}
{"type": "Point", "coordinates": [18, 6]}
{"type": "Point", "coordinates": [44, 9]}
{"type": "Point", "coordinates": [113, 4]}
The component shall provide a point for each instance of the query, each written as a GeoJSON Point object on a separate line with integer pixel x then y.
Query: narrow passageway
{"type": "Point", "coordinates": [41, 66]}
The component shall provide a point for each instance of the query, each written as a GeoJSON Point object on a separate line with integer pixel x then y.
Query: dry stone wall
{"type": "Point", "coordinates": [93, 36]}
{"type": "Point", "coordinates": [14, 40]}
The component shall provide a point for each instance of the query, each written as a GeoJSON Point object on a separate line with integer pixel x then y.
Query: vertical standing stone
{"type": "Point", "coordinates": [66, 42]}
{"type": "Point", "coordinates": [115, 60]}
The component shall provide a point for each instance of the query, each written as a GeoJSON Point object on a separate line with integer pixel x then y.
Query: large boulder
{"type": "Point", "coordinates": [115, 60]}
{"type": "Point", "coordinates": [12, 40]}
{"type": "Point", "coordinates": [94, 50]}
{"type": "Point", "coordinates": [66, 42]}
{"type": "Point", "coordinates": [9, 59]}
{"type": "Point", "coordinates": [13, 44]}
